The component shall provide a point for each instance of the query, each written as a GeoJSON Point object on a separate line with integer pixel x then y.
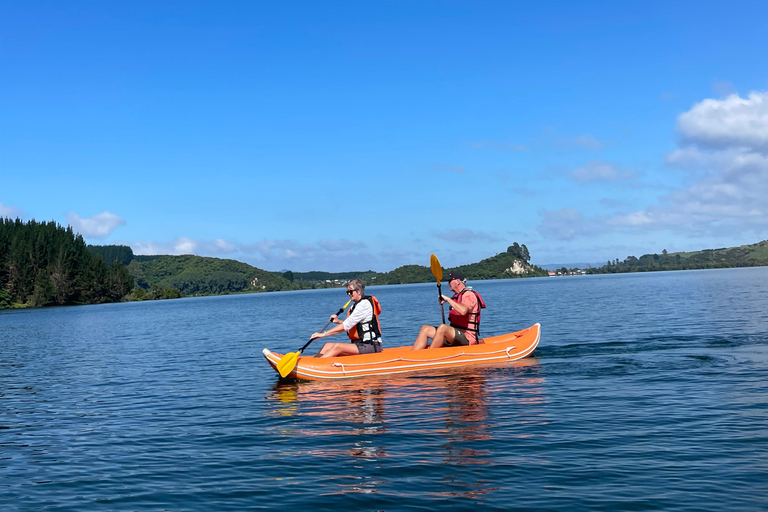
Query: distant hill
{"type": "Point", "coordinates": [502, 266]}
{"type": "Point", "coordinates": [754, 255]}
{"type": "Point", "coordinates": [189, 275]}
{"type": "Point", "coordinates": [509, 264]}
{"type": "Point", "coordinates": [198, 275]}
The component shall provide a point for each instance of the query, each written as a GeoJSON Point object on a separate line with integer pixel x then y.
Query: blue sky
{"type": "Point", "coordinates": [368, 135]}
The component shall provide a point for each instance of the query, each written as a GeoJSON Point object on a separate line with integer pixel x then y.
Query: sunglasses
{"type": "Point", "coordinates": [350, 292]}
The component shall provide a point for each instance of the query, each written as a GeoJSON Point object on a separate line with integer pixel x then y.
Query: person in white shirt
{"type": "Point", "coordinates": [361, 325]}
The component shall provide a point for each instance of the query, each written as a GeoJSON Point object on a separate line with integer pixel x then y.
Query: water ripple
{"type": "Point", "coordinates": [648, 392]}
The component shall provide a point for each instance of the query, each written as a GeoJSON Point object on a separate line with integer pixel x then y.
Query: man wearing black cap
{"type": "Point", "coordinates": [464, 317]}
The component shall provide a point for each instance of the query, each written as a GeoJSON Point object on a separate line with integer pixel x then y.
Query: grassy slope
{"type": "Point", "coordinates": [753, 252]}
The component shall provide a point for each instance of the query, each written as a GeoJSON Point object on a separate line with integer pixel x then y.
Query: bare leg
{"type": "Point", "coordinates": [444, 332]}
{"type": "Point", "coordinates": [426, 332]}
{"type": "Point", "coordinates": [338, 349]}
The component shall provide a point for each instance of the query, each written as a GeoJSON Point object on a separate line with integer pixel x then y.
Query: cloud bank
{"type": "Point", "coordinates": [724, 145]}
{"type": "Point", "coordinates": [731, 123]}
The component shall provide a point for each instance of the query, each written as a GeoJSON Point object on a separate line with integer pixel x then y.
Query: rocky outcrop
{"type": "Point", "coordinates": [517, 268]}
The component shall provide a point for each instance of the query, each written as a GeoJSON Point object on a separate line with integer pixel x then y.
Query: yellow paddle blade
{"type": "Point", "coordinates": [437, 270]}
{"type": "Point", "coordinates": [287, 363]}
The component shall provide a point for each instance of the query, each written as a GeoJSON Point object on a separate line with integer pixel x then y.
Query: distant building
{"type": "Point", "coordinates": [551, 273]}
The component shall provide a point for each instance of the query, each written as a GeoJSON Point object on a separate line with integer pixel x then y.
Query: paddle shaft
{"type": "Point", "coordinates": [440, 299]}
{"type": "Point", "coordinates": [340, 311]}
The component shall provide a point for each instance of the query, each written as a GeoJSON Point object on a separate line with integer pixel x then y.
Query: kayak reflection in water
{"type": "Point", "coordinates": [464, 317]}
{"type": "Point", "coordinates": [361, 325]}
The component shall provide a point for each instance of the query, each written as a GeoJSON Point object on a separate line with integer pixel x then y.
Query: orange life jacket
{"type": "Point", "coordinates": [370, 331]}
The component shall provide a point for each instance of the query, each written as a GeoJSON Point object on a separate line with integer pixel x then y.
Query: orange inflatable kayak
{"type": "Point", "coordinates": [496, 349]}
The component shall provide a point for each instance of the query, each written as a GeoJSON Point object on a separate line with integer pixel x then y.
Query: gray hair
{"type": "Point", "coordinates": [357, 284]}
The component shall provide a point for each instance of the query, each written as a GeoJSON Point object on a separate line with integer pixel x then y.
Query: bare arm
{"type": "Point", "coordinates": [336, 329]}
{"type": "Point", "coordinates": [461, 309]}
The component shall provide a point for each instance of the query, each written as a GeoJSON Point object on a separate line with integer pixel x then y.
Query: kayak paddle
{"type": "Point", "coordinates": [288, 362]}
{"type": "Point", "coordinates": [437, 271]}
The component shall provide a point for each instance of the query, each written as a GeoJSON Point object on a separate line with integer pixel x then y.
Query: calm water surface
{"type": "Point", "coordinates": [647, 392]}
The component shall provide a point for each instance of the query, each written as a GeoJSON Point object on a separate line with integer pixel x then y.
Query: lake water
{"type": "Point", "coordinates": [647, 392]}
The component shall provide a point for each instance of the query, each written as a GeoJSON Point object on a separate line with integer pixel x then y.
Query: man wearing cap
{"type": "Point", "coordinates": [464, 317]}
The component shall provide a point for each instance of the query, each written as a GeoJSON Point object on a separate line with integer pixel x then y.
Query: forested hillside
{"type": "Point", "coordinates": [198, 275]}
{"type": "Point", "coordinates": [189, 275]}
{"type": "Point", "coordinates": [42, 263]}
{"type": "Point", "coordinates": [112, 254]}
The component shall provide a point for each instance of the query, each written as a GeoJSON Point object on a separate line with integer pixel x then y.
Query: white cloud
{"type": "Point", "coordinates": [9, 211]}
{"type": "Point", "coordinates": [734, 122]}
{"type": "Point", "coordinates": [97, 226]}
{"type": "Point", "coordinates": [598, 170]}
{"type": "Point", "coordinates": [185, 245]}
{"type": "Point", "coordinates": [149, 248]}
{"type": "Point", "coordinates": [725, 146]}
{"type": "Point", "coordinates": [633, 219]}
{"type": "Point", "coordinates": [223, 245]}
{"type": "Point", "coordinates": [726, 142]}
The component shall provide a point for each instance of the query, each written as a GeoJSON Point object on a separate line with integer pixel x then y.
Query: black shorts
{"type": "Point", "coordinates": [369, 348]}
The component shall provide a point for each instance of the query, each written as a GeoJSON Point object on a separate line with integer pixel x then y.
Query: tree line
{"type": "Point", "coordinates": [43, 263]}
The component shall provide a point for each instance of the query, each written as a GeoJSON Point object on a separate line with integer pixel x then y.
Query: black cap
{"type": "Point", "coordinates": [454, 274]}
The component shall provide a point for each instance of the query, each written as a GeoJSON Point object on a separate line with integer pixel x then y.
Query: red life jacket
{"type": "Point", "coordinates": [470, 321]}
{"type": "Point", "coordinates": [370, 331]}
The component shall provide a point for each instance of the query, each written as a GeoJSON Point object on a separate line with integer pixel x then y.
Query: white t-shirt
{"type": "Point", "coordinates": [363, 313]}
